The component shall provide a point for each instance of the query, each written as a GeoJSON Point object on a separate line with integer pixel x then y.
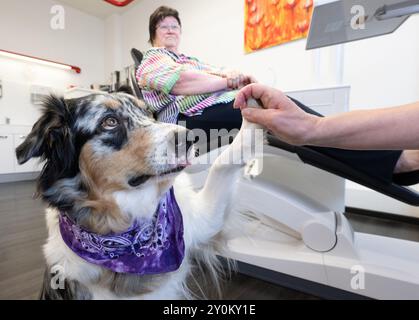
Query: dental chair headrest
{"type": "Point", "coordinates": [137, 56]}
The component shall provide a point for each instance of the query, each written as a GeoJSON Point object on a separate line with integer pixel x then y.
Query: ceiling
{"type": "Point", "coordinates": [98, 8]}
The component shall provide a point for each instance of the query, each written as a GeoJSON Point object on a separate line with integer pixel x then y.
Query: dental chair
{"type": "Point", "coordinates": [296, 234]}
{"type": "Point", "coordinates": [293, 230]}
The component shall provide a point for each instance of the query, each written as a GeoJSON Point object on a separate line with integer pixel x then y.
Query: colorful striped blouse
{"type": "Point", "coordinates": [157, 75]}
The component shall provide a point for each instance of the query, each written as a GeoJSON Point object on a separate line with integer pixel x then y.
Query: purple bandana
{"type": "Point", "coordinates": [147, 247]}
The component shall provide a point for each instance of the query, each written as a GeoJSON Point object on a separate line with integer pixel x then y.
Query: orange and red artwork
{"type": "Point", "coordinates": [273, 22]}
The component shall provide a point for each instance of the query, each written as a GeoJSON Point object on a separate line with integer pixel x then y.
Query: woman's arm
{"type": "Point", "coordinates": [196, 82]}
{"type": "Point", "coordinates": [193, 82]}
{"type": "Point", "coordinates": [159, 72]}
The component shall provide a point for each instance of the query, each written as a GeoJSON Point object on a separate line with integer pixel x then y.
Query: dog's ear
{"type": "Point", "coordinates": [49, 134]}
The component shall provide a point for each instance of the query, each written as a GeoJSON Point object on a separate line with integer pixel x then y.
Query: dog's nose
{"type": "Point", "coordinates": [182, 141]}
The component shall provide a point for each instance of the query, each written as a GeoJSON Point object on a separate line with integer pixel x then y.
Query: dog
{"type": "Point", "coordinates": [117, 226]}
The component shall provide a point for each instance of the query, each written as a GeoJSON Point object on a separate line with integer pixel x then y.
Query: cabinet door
{"type": "Point", "coordinates": [31, 165]}
{"type": "Point", "coordinates": [7, 154]}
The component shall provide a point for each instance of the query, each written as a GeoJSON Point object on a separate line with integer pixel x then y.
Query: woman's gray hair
{"type": "Point", "coordinates": [158, 15]}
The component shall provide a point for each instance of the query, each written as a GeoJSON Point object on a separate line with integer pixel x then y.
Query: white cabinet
{"type": "Point", "coordinates": [7, 161]}
{"type": "Point", "coordinates": [10, 138]}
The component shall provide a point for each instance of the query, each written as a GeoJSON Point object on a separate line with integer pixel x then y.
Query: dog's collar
{"type": "Point", "coordinates": [147, 247]}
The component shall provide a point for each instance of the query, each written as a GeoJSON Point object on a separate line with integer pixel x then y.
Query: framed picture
{"type": "Point", "coordinates": [273, 22]}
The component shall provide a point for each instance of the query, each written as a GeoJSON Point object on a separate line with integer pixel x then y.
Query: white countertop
{"type": "Point", "coordinates": [14, 129]}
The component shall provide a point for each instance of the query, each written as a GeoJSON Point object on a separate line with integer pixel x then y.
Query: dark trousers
{"type": "Point", "coordinates": [378, 163]}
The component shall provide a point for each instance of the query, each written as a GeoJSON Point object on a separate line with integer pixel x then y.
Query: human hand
{"type": "Point", "coordinates": [234, 79]}
{"type": "Point", "coordinates": [249, 79]}
{"type": "Point", "coordinates": [281, 116]}
{"type": "Point", "coordinates": [237, 80]}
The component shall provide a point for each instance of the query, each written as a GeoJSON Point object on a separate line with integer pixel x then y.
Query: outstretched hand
{"type": "Point", "coordinates": [281, 116]}
{"type": "Point", "coordinates": [237, 80]}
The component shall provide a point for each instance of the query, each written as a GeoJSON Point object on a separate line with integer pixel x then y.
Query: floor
{"type": "Point", "coordinates": [23, 231]}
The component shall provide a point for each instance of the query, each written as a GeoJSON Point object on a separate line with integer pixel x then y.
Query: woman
{"type": "Point", "coordinates": [176, 86]}
{"type": "Point", "coordinates": [181, 88]}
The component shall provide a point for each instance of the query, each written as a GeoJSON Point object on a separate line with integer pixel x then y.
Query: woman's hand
{"type": "Point", "coordinates": [234, 79]}
{"type": "Point", "coordinates": [237, 80]}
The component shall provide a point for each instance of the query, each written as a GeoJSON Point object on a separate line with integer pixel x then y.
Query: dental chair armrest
{"type": "Point", "coordinates": [324, 162]}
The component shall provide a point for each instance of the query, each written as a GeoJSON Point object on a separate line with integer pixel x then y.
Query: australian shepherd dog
{"type": "Point", "coordinates": [118, 225]}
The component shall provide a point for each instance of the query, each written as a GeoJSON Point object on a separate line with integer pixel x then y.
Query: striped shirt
{"type": "Point", "coordinates": [158, 73]}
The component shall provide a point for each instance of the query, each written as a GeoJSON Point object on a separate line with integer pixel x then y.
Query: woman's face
{"type": "Point", "coordinates": [168, 34]}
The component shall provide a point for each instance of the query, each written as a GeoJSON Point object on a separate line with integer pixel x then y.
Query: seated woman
{"type": "Point", "coordinates": [179, 88]}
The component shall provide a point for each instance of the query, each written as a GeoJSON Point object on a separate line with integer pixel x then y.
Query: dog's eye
{"type": "Point", "coordinates": [110, 123]}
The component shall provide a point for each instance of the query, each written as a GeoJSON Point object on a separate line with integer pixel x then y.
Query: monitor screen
{"type": "Point", "coordinates": [341, 21]}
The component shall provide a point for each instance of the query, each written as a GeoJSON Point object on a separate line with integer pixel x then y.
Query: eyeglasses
{"type": "Point", "coordinates": [167, 28]}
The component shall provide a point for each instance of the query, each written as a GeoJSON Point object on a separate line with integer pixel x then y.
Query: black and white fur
{"type": "Point", "coordinates": [104, 166]}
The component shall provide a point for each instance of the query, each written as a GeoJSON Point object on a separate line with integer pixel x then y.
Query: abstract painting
{"type": "Point", "coordinates": [272, 22]}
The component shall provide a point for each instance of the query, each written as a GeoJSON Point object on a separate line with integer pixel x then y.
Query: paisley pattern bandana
{"type": "Point", "coordinates": [148, 247]}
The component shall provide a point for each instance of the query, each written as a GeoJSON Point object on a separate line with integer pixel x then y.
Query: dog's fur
{"type": "Point", "coordinates": [104, 167]}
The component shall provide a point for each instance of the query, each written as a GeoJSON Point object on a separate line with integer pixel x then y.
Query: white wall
{"type": "Point", "coordinates": [113, 45]}
{"type": "Point", "coordinates": [25, 28]}
{"type": "Point", "coordinates": [382, 71]}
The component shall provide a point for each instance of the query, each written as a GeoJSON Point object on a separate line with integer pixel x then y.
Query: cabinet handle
{"type": "Point", "coordinates": [22, 137]}
{"type": "Point", "coordinates": [4, 137]}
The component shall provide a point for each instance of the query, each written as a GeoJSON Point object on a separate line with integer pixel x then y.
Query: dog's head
{"type": "Point", "coordinates": [105, 144]}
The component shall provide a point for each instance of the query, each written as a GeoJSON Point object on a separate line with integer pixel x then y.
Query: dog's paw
{"type": "Point", "coordinates": [257, 104]}
{"type": "Point", "coordinates": [253, 103]}
{"type": "Point", "coordinates": [248, 144]}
